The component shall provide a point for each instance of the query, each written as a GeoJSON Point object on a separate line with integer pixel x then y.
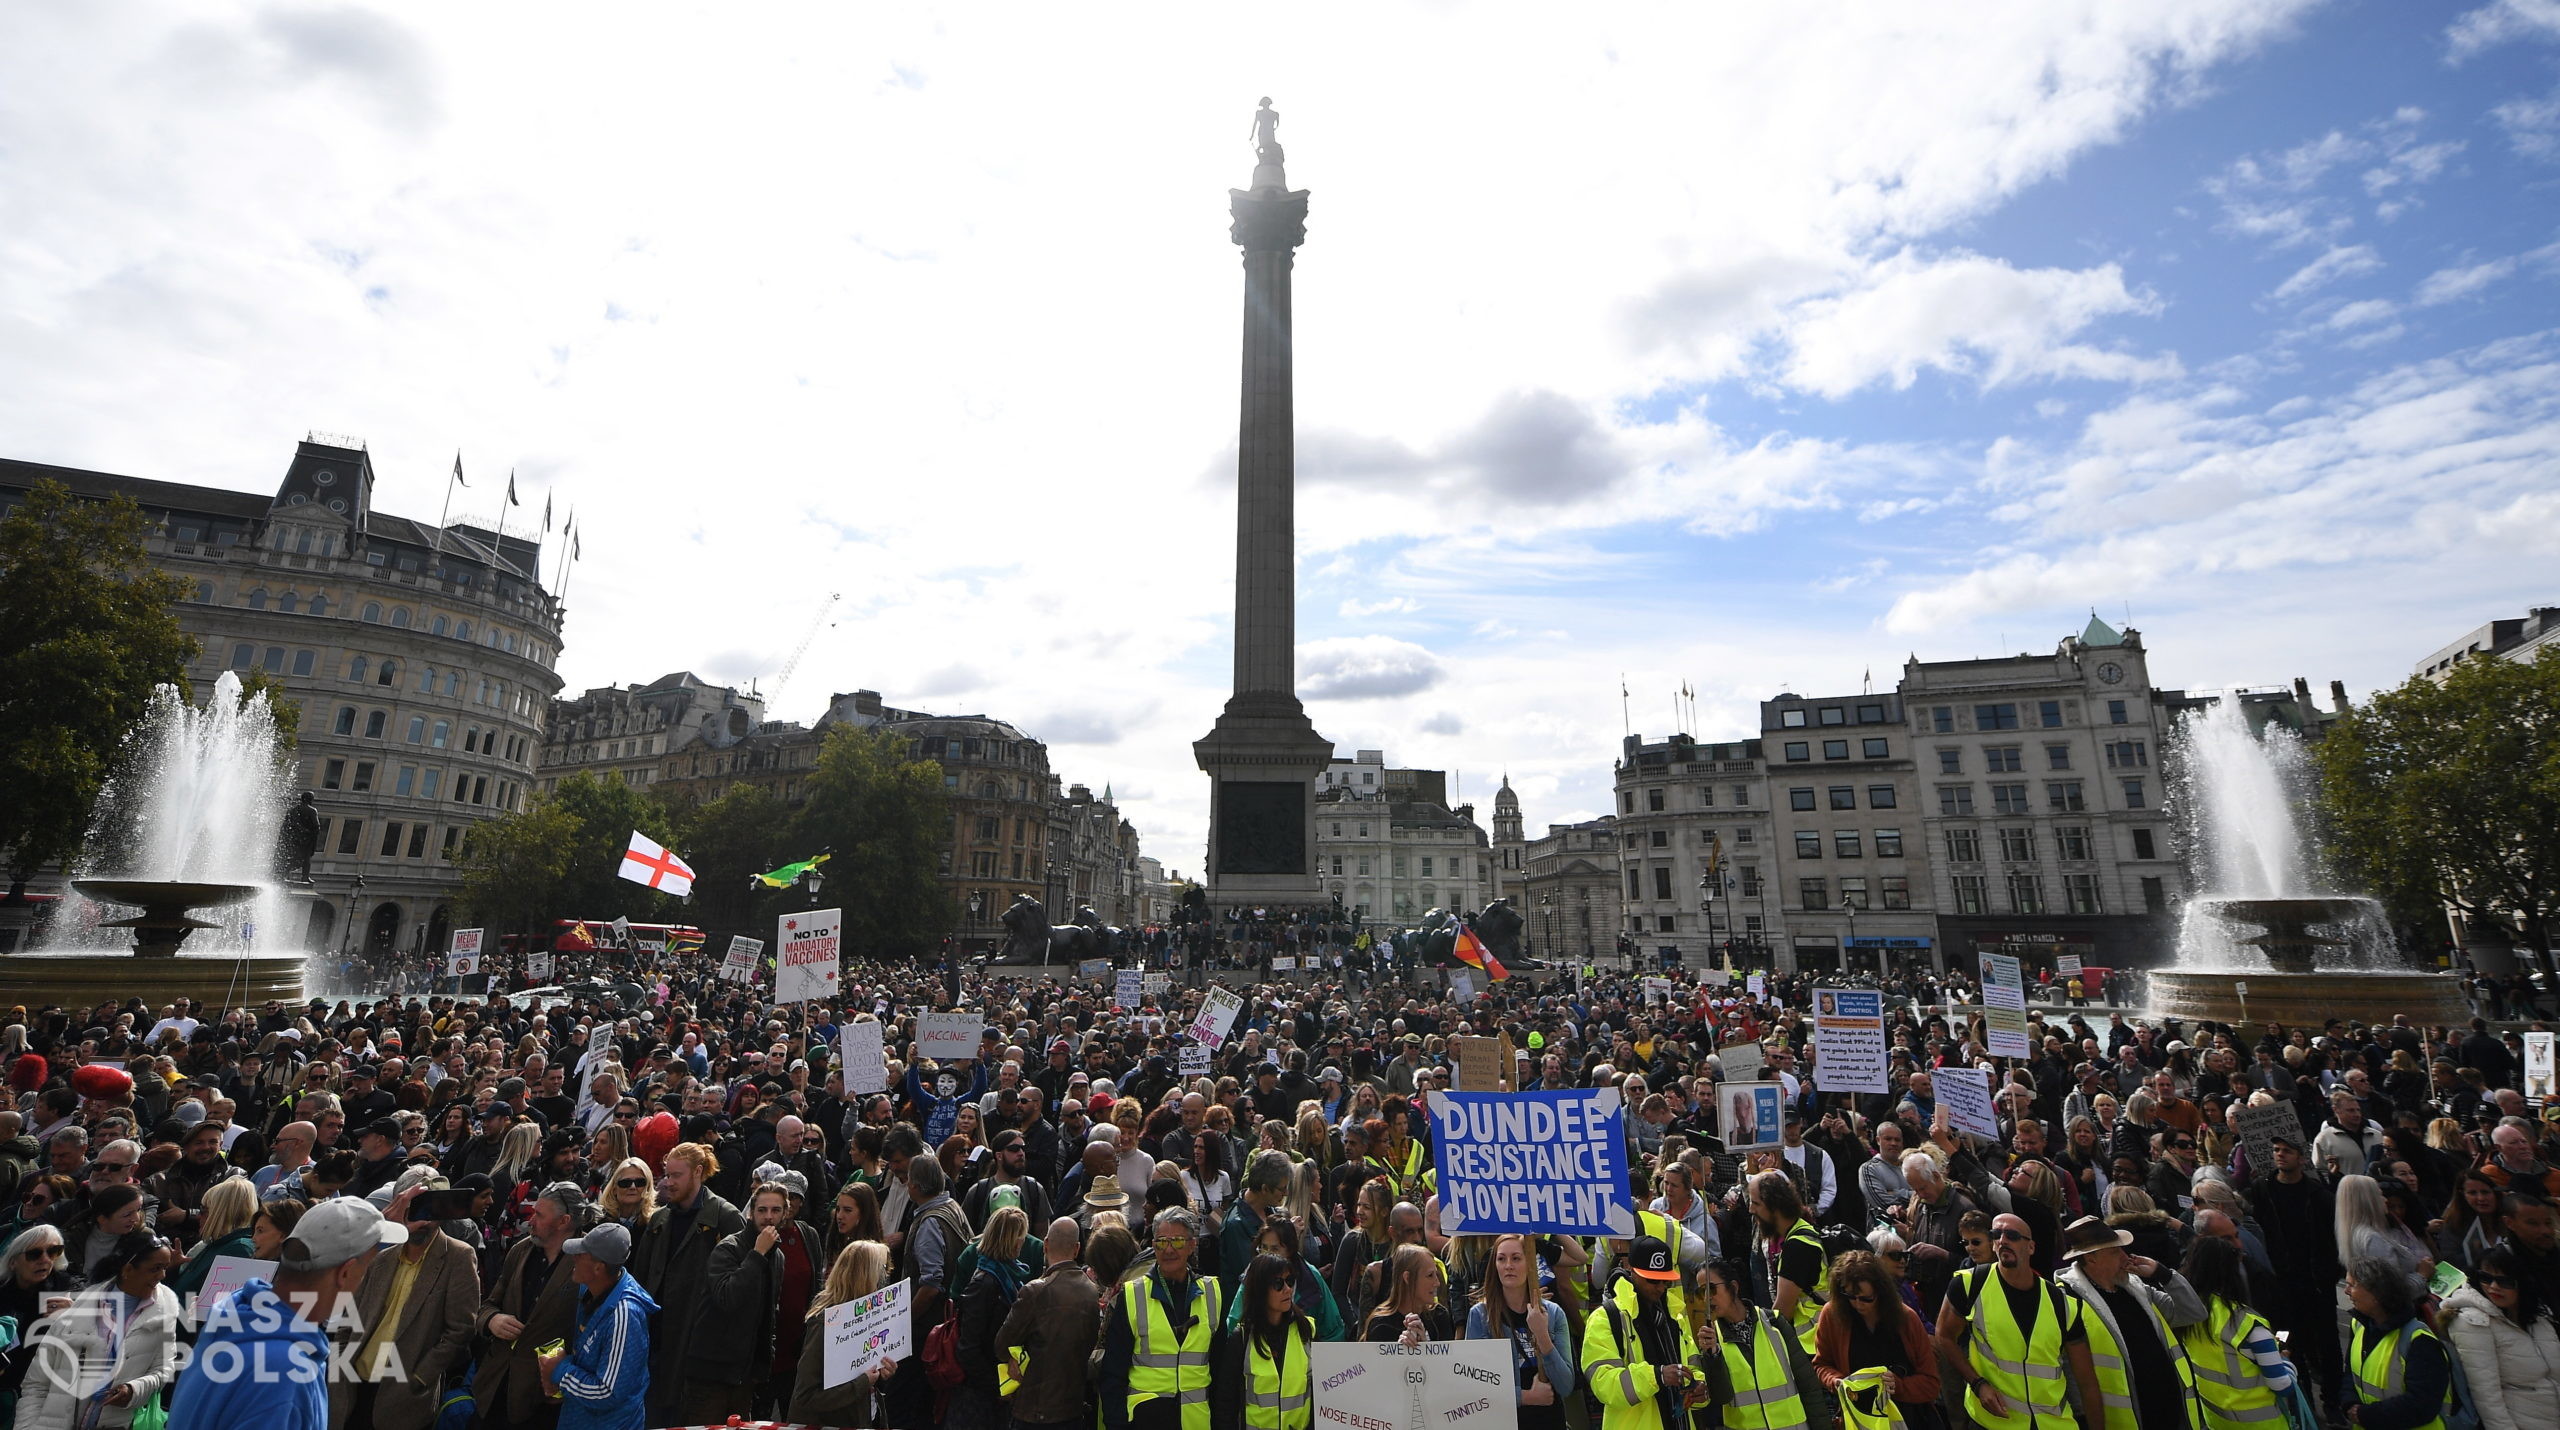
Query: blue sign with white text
{"type": "Point", "coordinates": [1548, 1163]}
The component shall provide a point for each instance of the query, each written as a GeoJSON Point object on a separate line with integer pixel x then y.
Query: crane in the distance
{"type": "Point", "coordinates": [783, 677]}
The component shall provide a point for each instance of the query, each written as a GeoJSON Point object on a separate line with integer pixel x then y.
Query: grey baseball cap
{"type": "Point", "coordinates": [609, 1242]}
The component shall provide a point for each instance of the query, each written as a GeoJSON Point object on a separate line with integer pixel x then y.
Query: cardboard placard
{"type": "Point", "coordinates": [812, 956]}
{"type": "Point", "coordinates": [1126, 990]}
{"type": "Point", "coordinates": [461, 965]}
{"type": "Point", "coordinates": [2260, 1128]}
{"type": "Point", "coordinates": [1848, 1040]}
{"type": "Point", "coordinates": [2538, 1079]}
{"type": "Point", "coordinates": [1217, 1014]}
{"type": "Point", "coordinates": [948, 1037]}
{"type": "Point", "coordinates": [863, 1332]}
{"type": "Point", "coordinates": [739, 964]}
{"type": "Point", "coordinates": [1753, 1115]}
{"type": "Point", "coordinates": [1192, 1060]}
{"type": "Point", "coordinates": [229, 1274]}
{"type": "Point", "coordinates": [1657, 990]}
{"type": "Point", "coordinates": [866, 1060]}
{"type": "Point", "coordinates": [1484, 1064]}
{"type": "Point", "coordinates": [1383, 1385]}
{"type": "Point", "coordinates": [1756, 985]}
{"type": "Point", "coordinates": [1743, 1060]}
{"type": "Point", "coordinates": [1966, 1095]}
{"type": "Point", "coordinates": [537, 966]}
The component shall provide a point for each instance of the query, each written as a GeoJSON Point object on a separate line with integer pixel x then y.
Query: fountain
{"type": "Point", "coordinates": [2264, 941]}
{"type": "Point", "coordinates": [188, 822]}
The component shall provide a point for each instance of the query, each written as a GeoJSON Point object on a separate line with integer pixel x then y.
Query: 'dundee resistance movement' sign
{"type": "Point", "coordinates": [1848, 1040]}
{"type": "Point", "coordinates": [1548, 1163]}
{"type": "Point", "coordinates": [1381, 1385]}
{"type": "Point", "coordinates": [812, 955]}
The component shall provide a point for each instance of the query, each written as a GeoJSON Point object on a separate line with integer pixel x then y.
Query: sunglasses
{"type": "Point", "coordinates": [49, 1253]}
{"type": "Point", "coordinates": [2490, 1280]}
{"type": "Point", "coordinates": [631, 1182]}
{"type": "Point", "coordinates": [2004, 1234]}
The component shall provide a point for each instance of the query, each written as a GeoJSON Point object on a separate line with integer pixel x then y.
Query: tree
{"type": "Point", "coordinates": [515, 868]}
{"type": "Point", "coordinates": [885, 815]}
{"type": "Point", "coordinates": [728, 841]}
{"type": "Point", "coordinates": [86, 631]}
{"type": "Point", "coordinates": [2450, 793]}
{"type": "Point", "coordinates": [258, 685]}
{"type": "Point", "coordinates": [559, 859]}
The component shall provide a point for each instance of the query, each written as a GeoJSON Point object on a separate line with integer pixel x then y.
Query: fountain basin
{"type": "Point", "coordinates": [84, 980]}
{"type": "Point", "coordinates": [2307, 999]}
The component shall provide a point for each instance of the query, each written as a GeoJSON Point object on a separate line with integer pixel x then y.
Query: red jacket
{"type": "Point", "coordinates": [1917, 1386]}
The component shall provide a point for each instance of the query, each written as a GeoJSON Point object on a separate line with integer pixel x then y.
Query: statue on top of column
{"type": "Point", "coordinates": [1266, 133]}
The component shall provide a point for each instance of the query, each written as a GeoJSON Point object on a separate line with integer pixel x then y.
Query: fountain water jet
{"type": "Point", "coordinates": [189, 821]}
{"type": "Point", "coordinates": [2265, 922]}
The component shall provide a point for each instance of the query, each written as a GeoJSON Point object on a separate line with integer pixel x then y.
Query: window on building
{"type": "Point", "coordinates": [2071, 841]}
{"type": "Point", "coordinates": [1706, 796]}
{"type": "Point", "coordinates": [1626, 801]}
{"type": "Point", "coordinates": [1813, 893]}
{"type": "Point", "coordinates": [1429, 872]}
{"type": "Point", "coordinates": [1942, 719]}
{"type": "Point", "coordinates": [1800, 799]}
{"type": "Point", "coordinates": [1853, 893]}
{"type": "Point", "coordinates": [400, 616]}
{"type": "Point", "coordinates": [364, 775]}
{"type": "Point", "coordinates": [1881, 797]}
{"type": "Point", "coordinates": [391, 840]}
{"type": "Point", "coordinates": [1653, 801]}
{"type": "Point", "coordinates": [1742, 834]}
{"type": "Point", "coordinates": [1364, 866]}
{"type": "Point", "coordinates": [2133, 794]}
{"type": "Point", "coordinates": [1843, 796]}
{"type": "Point", "coordinates": [2057, 757]}
{"type": "Point", "coordinates": [243, 656]}
{"type": "Point", "coordinates": [1808, 844]}
{"type": "Point", "coordinates": [346, 720]}
{"type": "Point", "coordinates": [417, 729]}
{"type": "Point", "coordinates": [2063, 796]}
{"type": "Point", "coordinates": [2080, 891]}
{"type": "Point", "coordinates": [2155, 899]}
{"type": "Point", "coordinates": [2003, 759]}
{"type": "Point", "coordinates": [1666, 923]}
{"type": "Point", "coordinates": [1635, 841]}
{"type": "Point", "coordinates": [982, 863]}
{"type": "Point", "coordinates": [1835, 749]}
{"type": "Point", "coordinates": [1791, 719]}
{"type": "Point", "coordinates": [1799, 749]}
{"type": "Point", "coordinates": [2017, 844]}
{"type": "Point", "coordinates": [1950, 760]}
{"type": "Point", "coordinates": [1955, 799]}
{"type": "Point", "coordinates": [1661, 881]}
{"type": "Point", "coordinates": [433, 785]}
{"type": "Point", "coordinates": [1750, 880]}
{"type": "Point", "coordinates": [1964, 845]}
{"type": "Point", "coordinates": [1741, 794]}
{"type": "Point", "coordinates": [2143, 847]}
{"type": "Point", "coordinates": [373, 723]}
{"type": "Point", "coordinates": [1635, 883]}
{"type": "Point", "coordinates": [1874, 749]}
{"type": "Point", "coordinates": [2026, 893]}
{"type": "Point", "coordinates": [1399, 869]}
{"type": "Point", "coordinates": [320, 605]}
{"type": "Point", "coordinates": [1971, 897]}
{"type": "Point", "coordinates": [2009, 799]}
{"type": "Point", "coordinates": [2128, 755]}
{"type": "Point", "coordinates": [2049, 714]}
{"type": "Point", "coordinates": [1661, 840]}
{"type": "Point", "coordinates": [1995, 717]}
{"type": "Point", "coordinates": [1870, 714]}
{"type": "Point", "coordinates": [479, 789]}
{"type": "Point", "coordinates": [1845, 843]}
{"type": "Point", "coordinates": [333, 774]}
{"type": "Point", "coordinates": [372, 612]}
{"type": "Point", "coordinates": [1834, 715]}
{"type": "Point", "coordinates": [417, 841]}
{"type": "Point", "coordinates": [406, 782]}
{"type": "Point", "coordinates": [304, 662]}
{"type": "Point", "coordinates": [1888, 843]}
{"type": "Point", "coordinates": [989, 829]}
{"type": "Point", "coordinates": [1364, 831]}
{"type": "Point", "coordinates": [1895, 890]}
{"type": "Point", "coordinates": [273, 660]}
{"type": "Point", "coordinates": [2116, 713]}
{"type": "Point", "coordinates": [350, 836]}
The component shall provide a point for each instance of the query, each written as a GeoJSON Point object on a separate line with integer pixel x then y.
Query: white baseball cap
{"type": "Point", "coordinates": [338, 1231]}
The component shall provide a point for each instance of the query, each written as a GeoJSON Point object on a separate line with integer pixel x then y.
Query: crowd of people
{"type": "Point", "coordinates": [446, 1212]}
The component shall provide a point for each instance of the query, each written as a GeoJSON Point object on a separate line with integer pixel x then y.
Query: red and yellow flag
{"type": "Point", "coordinates": [1472, 951]}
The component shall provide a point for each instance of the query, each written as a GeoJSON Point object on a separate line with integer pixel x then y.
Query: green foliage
{"type": "Point", "coordinates": [886, 816]}
{"type": "Point", "coordinates": [258, 685]}
{"type": "Point", "coordinates": [728, 841]}
{"type": "Point", "coordinates": [86, 631]}
{"type": "Point", "coordinates": [2452, 792]}
{"type": "Point", "coordinates": [558, 859]}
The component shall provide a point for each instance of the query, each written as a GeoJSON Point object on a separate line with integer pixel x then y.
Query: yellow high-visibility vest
{"type": "Point", "coordinates": [2381, 1369]}
{"type": "Point", "coordinates": [1163, 1364]}
{"type": "Point", "coordinates": [2228, 1381]}
{"type": "Point", "coordinates": [1276, 1393]}
{"type": "Point", "coordinates": [2024, 1366]}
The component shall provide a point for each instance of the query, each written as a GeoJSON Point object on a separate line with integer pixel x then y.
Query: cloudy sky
{"type": "Point", "coordinates": [1754, 349]}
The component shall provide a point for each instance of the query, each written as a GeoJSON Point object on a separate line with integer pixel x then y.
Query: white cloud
{"type": "Point", "coordinates": [2363, 313]}
{"type": "Point", "coordinates": [1391, 606]}
{"type": "Point", "coordinates": [2532, 125]}
{"type": "Point", "coordinates": [1365, 668]}
{"type": "Point", "coordinates": [2343, 262]}
{"type": "Point", "coordinates": [2498, 23]}
{"type": "Point", "coordinates": [1970, 315]}
{"type": "Point", "coordinates": [2446, 284]}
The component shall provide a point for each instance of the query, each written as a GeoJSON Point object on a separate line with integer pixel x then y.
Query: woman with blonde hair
{"type": "Point", "coordinates": [228, 1226]}
{"type": "Point", "coordinates": [519, 1157]}
{"type": "Point", "coordinates": [1410, 1312]}
{"type": "Point", "coordinates": [977, 1403]}
{"type": "Point", "coordinates": [856, 1272]}
{"type": "Point", "coordinates": [629, 1193]}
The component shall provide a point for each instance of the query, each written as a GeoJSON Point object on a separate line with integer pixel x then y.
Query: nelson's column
{"type": "Point", "coordinates": [1263, 756]}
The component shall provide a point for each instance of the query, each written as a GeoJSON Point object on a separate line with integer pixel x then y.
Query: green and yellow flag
{"type": "Point", "coordinates": [790, 874]}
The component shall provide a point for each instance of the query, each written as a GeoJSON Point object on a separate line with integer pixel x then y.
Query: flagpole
{"type": "Point", "coordinates": [443, 515]}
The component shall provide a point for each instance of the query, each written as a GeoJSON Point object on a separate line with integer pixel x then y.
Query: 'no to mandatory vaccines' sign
{"type": "Point", "coordinates": [1386, 1386]}
{"type": "Point", "coordinates": [812, 955]}
{"type": "Point", "coordinates": [1548, 1163]}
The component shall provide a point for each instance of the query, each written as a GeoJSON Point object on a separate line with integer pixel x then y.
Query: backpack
{"type": "Point", "coordinates": [942, 1350]}
{"type": "Point", "coordinates": [2461, 1412]}
{"type": "Point", "coordinates": [1838, 1241]}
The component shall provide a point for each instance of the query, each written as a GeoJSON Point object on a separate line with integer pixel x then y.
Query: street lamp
{"type": "Point", "coordinates": [977, 906]}
{"type": "Point", "coordinates": [1850, 941]}
{"type": "Point", "coordinates": [355, 896]}
{"type": "Point", "coordinates": [813, 879]}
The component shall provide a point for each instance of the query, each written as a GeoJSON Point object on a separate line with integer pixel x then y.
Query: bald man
{"type": "Point", "coordinates": [800, 1150]}
{"type": "Point", "coordinates": [1049, 1335]}
{"type": "Point", "coordinates": [294, 1142]}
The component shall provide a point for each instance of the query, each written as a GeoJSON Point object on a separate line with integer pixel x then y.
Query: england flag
{"type": "Point", "coordinates": [648, 862]}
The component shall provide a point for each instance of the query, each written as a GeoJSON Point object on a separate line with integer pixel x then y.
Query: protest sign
{"type": "Point", "coordinates": [2260, 1128]}
{"type": "Point", "coordinates": [1848, 1040]}
{"type": "Point", "coordinates": [812, 956]}
{"type": "Point", "coordinates": [1966, 1095]}
{"type": "Point", "coordinates": [2004, 1007]}
{"type": "Point", "coordinates": [2066, 965]}
{"type": "Point", "coordinates": [1217, 1014]}
{"type": "Point", "coordinates": [1742, 1060]}
{"type": "Point", "coordinates": [1483, 1063]}
{"type": "Point", "coordinates": [1754, 1114]}
{"type": "Point", "coordinates": [1156, 984]}
{"type": "Point", "coordinates": [537, 966]}
{"type": "Point", "coordinates": [2537, 1066]}
{"type": "Point", "coordinates": [468, 941]}
{"type": "Point", "coordinates": [228, 1274]}
{"type": "Point", "coordinates": [1386, 1385]}
{"type": "Point", "coordinates": [1193, 1060]}
{"type": "Point", "coordinates": [1714, 977]}
{"type": "Point", "coordinates": [1540, 1162]}
{"type": "Point", "coordinates": [1125, 993]}
{"type": "Point", "coordinates": [1755, 985]}
{"type": "Point", "coordinates": [461, 965]}
{"type": "Point", "coordinates": [1461, 987]}
{"type": "Point", "coordinates": [863, 1332]}
{"type": "Point", "coordinates": [948, 1037]}
{"type": "Point", "coordinates": [1094, 969]}
{"type": "Point", "coordinates": [1657, 990]}
{"type": "Point", "coordinates": [866, 1061]}
{"type": "Point", "coordinates": [739, 965]}
{"type": "Point", "coordinates": [1284, 963]}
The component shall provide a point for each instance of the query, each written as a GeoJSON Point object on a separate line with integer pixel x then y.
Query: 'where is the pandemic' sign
{"type": "Point", "coordinates": [1549, 1163]}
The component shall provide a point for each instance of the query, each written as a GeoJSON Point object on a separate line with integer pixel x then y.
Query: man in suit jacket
{"type": "Point", "coordinates": [533, 1302]}
{"type": "Point", "coordinates": [415, 1315]}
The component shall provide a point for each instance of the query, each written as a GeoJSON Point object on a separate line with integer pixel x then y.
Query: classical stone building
{"type": "Point", "coordinates": [1681, 803]}
{"type": "Point", "coordinates": [2043, 800]}
{"type": "Point", "coordinates": [1093, 857]}
{"type": "Point", "coordinates": [1569, 891]}
{"type": "Point", "coordinates": [1390, 847]}
{"type": "Point", "coordinates": [1510, 848]}
{"type": "Point", "coordinates": [2520, 638]}
{"type": "Point", "coordinates": [1852, 871]}
{"type": "Point", "coordinates": [644, 735]}
{"type": "Point", "coordinates": [423, 660]}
